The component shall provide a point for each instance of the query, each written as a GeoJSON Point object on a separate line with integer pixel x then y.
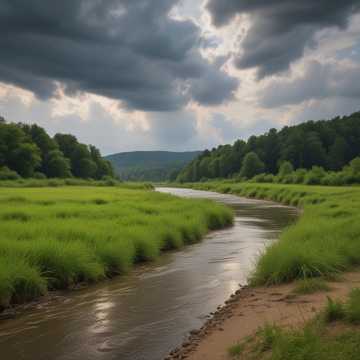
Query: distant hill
{"type": "Point", "coordinates": [150, 165]}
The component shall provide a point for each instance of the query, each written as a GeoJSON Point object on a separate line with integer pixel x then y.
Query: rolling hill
{"type": "Point", "coordinates": [150, 165]}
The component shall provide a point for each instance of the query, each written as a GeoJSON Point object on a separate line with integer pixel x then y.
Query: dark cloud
{"type": "Point", "coordinates": [319, 81]}
{"type": "Point", "coordinates": [123, 49]}
{"type": "Point", "coordinates": [280, 29]}
{"type": "Point", "coordinates": [212, 88]}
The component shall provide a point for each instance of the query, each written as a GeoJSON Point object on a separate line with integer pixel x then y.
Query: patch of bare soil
{"type": "Point", "coordinates": [251, 308]}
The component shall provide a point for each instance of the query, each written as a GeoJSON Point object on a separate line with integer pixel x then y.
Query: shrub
{"type": "Point", "coordinates": [299, 176]}
{"type": "Point", "coordinates": [286, 168]}
{"type": "Point", "coordinates": [7, 174]}
{"type": "Point", "coordinates": [314, 176]}
{"type": "Point", "coordinates": [39, 175]}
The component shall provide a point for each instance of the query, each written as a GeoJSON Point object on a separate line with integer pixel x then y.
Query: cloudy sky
{"type": "Point", "coordinates": [177, 74]}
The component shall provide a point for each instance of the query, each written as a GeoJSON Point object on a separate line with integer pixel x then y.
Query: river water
{"type": "Point", "coordinates": [144, 315]}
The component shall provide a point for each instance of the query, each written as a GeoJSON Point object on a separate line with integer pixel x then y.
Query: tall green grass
{"type": "Point", "coordinates": [54, 238]}
{"type": "Point", "coordinates": [56, 182]}
{"type": "Point", "coordinates": [325, 241]}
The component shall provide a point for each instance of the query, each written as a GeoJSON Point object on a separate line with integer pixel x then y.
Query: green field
{"type": "Point", "coordinates": [325, 241]}
{"type": "Point", "coordinates": [54, 238]}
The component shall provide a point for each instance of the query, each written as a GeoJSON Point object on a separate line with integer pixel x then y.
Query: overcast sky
{"type": "Point", "coordinates": [130, 75]}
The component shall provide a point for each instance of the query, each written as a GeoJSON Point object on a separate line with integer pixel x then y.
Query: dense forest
{"type": "Point", "coordinates": [325, 144]}
{"type": "Point", "coordinates": [28, 151]}
{"type": "Point", "coordinates": [150, 165]}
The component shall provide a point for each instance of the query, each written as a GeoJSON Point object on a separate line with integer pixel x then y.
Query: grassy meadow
{"type": "Point", "coordinates": [55, 237]}
{"type": "Point", "coordinates": [324, 242]}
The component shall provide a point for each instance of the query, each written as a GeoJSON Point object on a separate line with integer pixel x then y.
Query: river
{"type": "Point", "coordinates": [144, 315]}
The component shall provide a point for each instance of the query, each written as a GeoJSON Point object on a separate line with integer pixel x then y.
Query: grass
{"type": "Point", "coordinates": [236, 350]}
{"type": "Point", "coordinates": [333, 335]}
{"type": "Point", "coordinates": [310, 286]}
{"type": "Point", "coordinates": [334, 310]}
{"type": "Point", "coordinates": [54, 238]}
{"type": "Point", "coordinates": [323, 243]}
{"type": "Point", "coordinates": [55, 182]}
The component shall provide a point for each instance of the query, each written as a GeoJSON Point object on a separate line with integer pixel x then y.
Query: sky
{"type": "Point", "coordinates": [177, 75]}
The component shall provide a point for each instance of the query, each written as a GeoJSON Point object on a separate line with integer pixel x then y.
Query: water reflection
{"type": "Point", "coordinates": [143, 316]}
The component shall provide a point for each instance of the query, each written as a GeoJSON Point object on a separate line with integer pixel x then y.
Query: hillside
{"type": "Point", "coordinates": [150, 165]}
{"type": "Point", "coordinates": [330, 144]}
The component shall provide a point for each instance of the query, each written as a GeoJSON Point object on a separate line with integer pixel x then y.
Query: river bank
{"type": "Point", "coordinates": [251, 308]}
{"type": "Point", "coordinates": [57, 238]}
{"type": "Point", "coordinates": [147, 312]}
{"type": "Point", "coordinates": [328, 231]}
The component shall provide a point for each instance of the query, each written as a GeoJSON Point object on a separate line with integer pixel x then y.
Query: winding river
{"type": "Point", "coordinates": [144, 315]}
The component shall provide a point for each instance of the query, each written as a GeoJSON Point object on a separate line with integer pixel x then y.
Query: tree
{"type": "Point", "coordinates": [25, 159]}
{"type": "Point", "coordinates": [57, 165]}
{"type": "Point", "coordinates": [67, 144]}
{"type": "Point", "coordinates": [251, 166]}
{"type": "Point", "coordinates": [271, 151]}
{"type": "Point", "coordinates": [81, 163]}
{"type": "Point", "coordinates": [337, 153]}
{"type": "Point", "coordinates": [286, 168]}
{"type": "Point", "coordinates": [103, 167]}
{"type": "Point", "coordinates": [314, 152]}
{"type": "Point", "coordinates": [355, 165]}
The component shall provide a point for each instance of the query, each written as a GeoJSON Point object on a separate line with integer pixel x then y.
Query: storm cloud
{"type": "Point", "coordinates": [280, 29]}
{"type": "Point", "coordinates": [127, 50]}
{"type": "Point", "coordinates": [318, 81]}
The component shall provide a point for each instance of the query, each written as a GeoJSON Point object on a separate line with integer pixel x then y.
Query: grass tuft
{"type": "Point", "coordinates": [353, 306]}
{"type": "Point", "coordinates": [334, 310]}
{"type": "Point", "coordinates": [236, 350]}
{"type": "Point", "coordinates": [310, 286]}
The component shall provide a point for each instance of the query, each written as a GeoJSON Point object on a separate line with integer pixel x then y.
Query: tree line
{"type": "Point", "coordinates": [327, 144]}
{"type": "Point", "coordinates": [28, 151]}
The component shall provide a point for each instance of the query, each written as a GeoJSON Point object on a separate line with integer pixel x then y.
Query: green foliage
{"type": "Point", "coordinates": [236, 350]}
{"type": "Point", "coordinates": [28, 150]}
{"type": "Point", "coordinates": [56, 165]}
{"type": "Point", "coordinates": [310, 286]}
{"type": "Point", "coordinates": [323, 242]}
{"type": "Point", "coordinates": [57, 182]}
{"type": "Point", "coordinates": [286, 168]}
{"type": "Point", "coordinates": [355, 166]}
{"type": "Point", "coordinates": [327, 144]}
{"type": "Point", "coordinates": [352, 306]}
{"type": "Point", "coordinates": [313, 342]}
{"type": "Point", "coordinates": [7, 174]}
{"type": "Point", "coordinates": [334, 310]}
{"type": "Point", "coordinates": [350, 174]}
{"type": "Point", "coordinates": [251, 166]}
{"type": "Point", "coordinates": [53, 238]}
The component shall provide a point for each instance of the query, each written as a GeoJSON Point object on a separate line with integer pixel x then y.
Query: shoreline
{"type": "Point", "coordinates": [244, 313]}
{"type": "Point", "coordinates": [250, 308]}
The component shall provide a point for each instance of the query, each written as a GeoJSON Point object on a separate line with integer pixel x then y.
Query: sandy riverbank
{"type": "Point", "coordinates": [251, 308]}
